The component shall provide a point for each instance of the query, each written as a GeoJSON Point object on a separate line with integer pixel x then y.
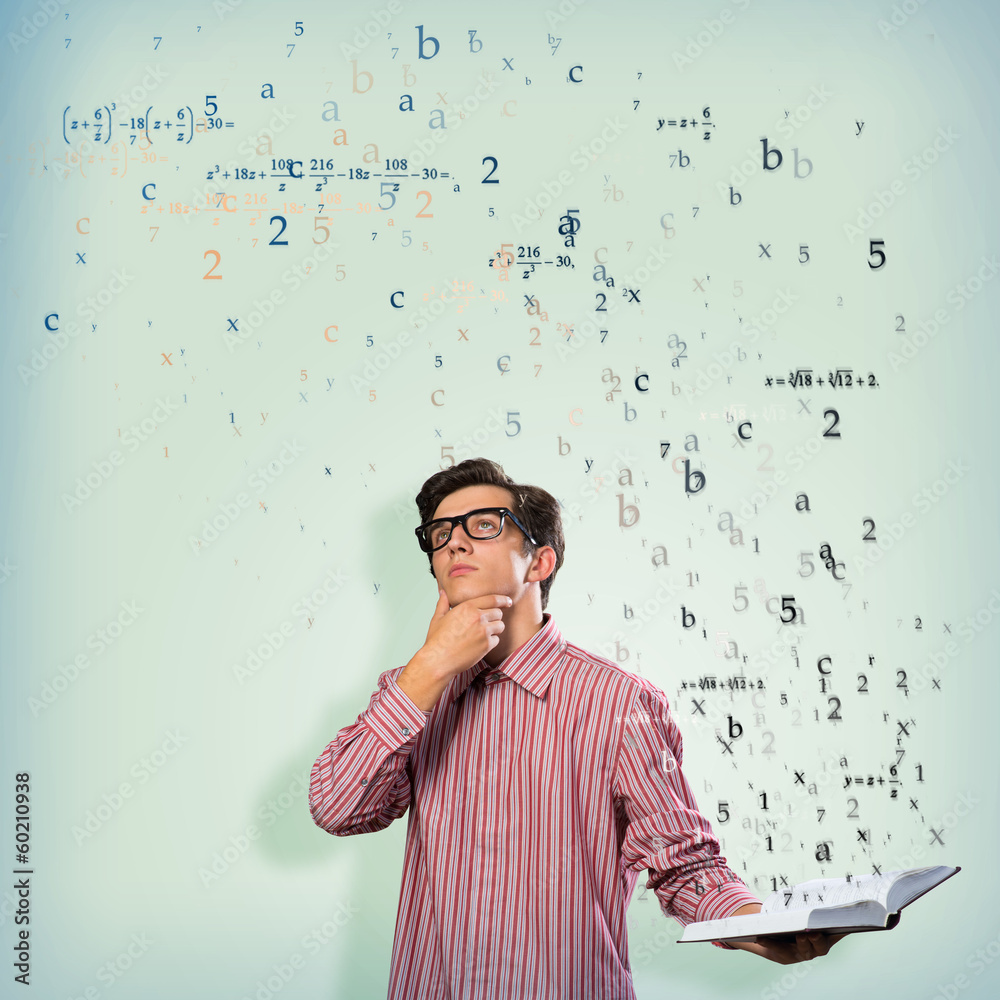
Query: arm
{"type": "Point", "coordinates": [359, 783]}
{"type": "Point", "coordinates": [666, 833]}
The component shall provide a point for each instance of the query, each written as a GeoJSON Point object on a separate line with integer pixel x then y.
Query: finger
{"type": "Point", "coordinates": [492, 601]}
{"type": "Point", "coordinates": [442, 604]}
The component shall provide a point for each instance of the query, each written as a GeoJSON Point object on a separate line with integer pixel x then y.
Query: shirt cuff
{"type": "Point", "coordinates": [393, 717]}
{"type": "Point", "coordinates": [717, 905]}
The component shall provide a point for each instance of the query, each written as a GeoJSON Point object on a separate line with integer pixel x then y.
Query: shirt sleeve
{"type": "Point", "coordinates": [359, 783]}
{"type": "Point", "coordinates": [666, 833]}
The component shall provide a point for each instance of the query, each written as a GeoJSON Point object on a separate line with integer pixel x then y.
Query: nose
{"type": "Point", "coordinates": [459, 539]}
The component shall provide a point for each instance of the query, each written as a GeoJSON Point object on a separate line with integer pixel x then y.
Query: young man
{"type": "Point", "coordinates": [540, 779]}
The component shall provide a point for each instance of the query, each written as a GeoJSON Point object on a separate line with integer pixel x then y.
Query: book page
{"type": "Point", "coordinates": [831, 892]}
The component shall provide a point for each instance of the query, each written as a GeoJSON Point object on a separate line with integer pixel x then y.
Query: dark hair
{"type": "Point", "coordinates": [537, 509]}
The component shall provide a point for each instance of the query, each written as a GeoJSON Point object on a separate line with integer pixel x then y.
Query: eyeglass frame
{"type": "Point", "coordinates": [504, 512]}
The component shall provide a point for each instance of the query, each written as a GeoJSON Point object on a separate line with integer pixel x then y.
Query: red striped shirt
{"type": "Point", "coordinates": [538, 790]}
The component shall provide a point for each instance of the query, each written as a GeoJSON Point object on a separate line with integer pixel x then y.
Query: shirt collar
{"type": "Point", "coordinates": [532, 665]}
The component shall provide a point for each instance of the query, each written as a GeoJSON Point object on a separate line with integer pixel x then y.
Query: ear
{"type": "Point", "coordinates": [543, 563]}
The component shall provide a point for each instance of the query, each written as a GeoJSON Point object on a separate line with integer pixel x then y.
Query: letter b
{"type": "Point", "coordinates": [689, 478]}
{"type": "Point", "coordinates": [420, 43]}
{"type": "Point", "coordinates": [622, 508]}
{"type": "Point", "coordinates": [738, 727]}
{"type": "Point", "coordinates": [767, 154]}
{"type": "Point", "coordinates": [803, 160]}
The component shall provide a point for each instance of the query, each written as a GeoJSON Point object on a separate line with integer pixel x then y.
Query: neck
{"type": "Point", "coordinates": [521, 622]}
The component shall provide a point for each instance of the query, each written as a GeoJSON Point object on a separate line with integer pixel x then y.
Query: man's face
{"type": "Point", "coordinates": [498, 564]}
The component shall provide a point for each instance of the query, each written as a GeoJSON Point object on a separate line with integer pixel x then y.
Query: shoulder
{"type": "Point", "coordinates": [582, 665]}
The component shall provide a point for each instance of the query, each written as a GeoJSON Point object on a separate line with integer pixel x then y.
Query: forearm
{"type": "Point", "coordinates": [421, 681]}
{"type": "Point", "coordinates": [359, 782]}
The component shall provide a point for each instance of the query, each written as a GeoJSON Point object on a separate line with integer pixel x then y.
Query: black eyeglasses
{"type": "Point", "coordinates": [485, 522]}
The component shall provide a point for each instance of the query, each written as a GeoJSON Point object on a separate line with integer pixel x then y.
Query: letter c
{"type": "Point", "coordinates": [834, 571]}
{"type": "Point", "coordinates": [434, 393]}
{"type": "Point", "coordinates": [573, 78]}
{"type": "Point", "coordinates": [225, 204]}
{"type": "Point", "coordinates": [85, 232]}
{"type": "Point", "coordinates": [767, 603]}
{"type": "Point", "coordinates": [575, 423]}
{"type": "Point", "coordinates": [597, 251]}
{"type": "Point", "coordinates": [148, 197]}
{"type": "Point", "coordinates": [47, 318]}
{"type": "Point", "coordinates": [392, 299]}
{"type": "Point", "coordinates": [326, 333]}
{"type": "Point", "coordinates": [679, 458]}
{"type": "Point", "coordinates": [510, 114]}
{"type": "Point", "coordinates": [819, 664]}
{"type": "Point", "coordinates": [639, 387]}
{"type": "Point", "coordinates": [739, 430]}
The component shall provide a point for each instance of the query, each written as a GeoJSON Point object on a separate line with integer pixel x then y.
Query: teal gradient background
{"type": "Point", "coordinates": [209, 867]}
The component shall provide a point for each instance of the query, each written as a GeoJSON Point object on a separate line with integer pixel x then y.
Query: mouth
{"type": "Point", "coordinates": [461, 570]}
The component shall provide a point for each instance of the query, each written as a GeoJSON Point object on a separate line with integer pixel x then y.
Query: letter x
{"type": "Point", "coordinates": [232, 324]}
{"type": "Point", "coordinates": [698, 285]}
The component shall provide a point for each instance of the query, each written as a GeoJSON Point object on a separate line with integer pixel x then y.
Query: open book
{"type": "Point", "coordinates": [831, 905]}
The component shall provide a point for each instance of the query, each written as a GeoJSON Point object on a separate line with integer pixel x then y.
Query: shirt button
{"type": "Point", "coordinates": [406, 730]}
{"type": "Point", "coordinates": [364, 781]}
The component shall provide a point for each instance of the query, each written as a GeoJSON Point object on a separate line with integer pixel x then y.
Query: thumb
{"type": "Point", "coordinates": [442, 604]}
